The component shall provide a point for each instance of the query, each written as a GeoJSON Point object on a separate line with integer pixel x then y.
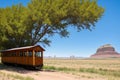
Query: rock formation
{"type": "Point", "coordinates": [105, 51]}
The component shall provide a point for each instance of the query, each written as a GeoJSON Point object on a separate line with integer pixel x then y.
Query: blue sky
{"type": "Point", "coordinates": [85, 43]}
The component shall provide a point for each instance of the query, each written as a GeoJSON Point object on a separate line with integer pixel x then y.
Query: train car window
{"type": "Point", "coordinates": [21, 54]}
{"type": "Point", "coordinates": [30, 53]}
{"type": "Point", "coordinates": [8, 54]}
{"type": "Point", "coordinates": [38, 54]}
{"type": "Point", "coordinates": [17, 54]}
{"type": "Point", "coordinates": [3, 54]}
{"type": "Point", "coordinates": [25, 53]}
{"type": "Point", "coordinates": [13, 54]}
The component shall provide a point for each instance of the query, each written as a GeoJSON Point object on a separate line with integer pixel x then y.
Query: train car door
{"type": "Point", "coordinates": [30, 58]}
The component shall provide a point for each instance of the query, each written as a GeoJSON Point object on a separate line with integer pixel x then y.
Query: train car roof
{"type": "Point", "coordinates": [23, 48]}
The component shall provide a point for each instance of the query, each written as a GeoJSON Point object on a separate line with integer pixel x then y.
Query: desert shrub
{"type": "Point", "coordinates": [90, 70]}
{"type": "Point", "coordinates": [58, 68]}
{"type": "Point", "coordinates": [100, 71]}
{"type": "Point", "coordinates": [65, 69]}
{"type": "Point", "coordinates": [20, 77]}
{"type": "Point", "coordinates": [49, 68]}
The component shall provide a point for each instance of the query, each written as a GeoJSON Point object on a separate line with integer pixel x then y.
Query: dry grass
{"type": "Point", "coordinates": [7, 76]}
{"type": "Point", "coordinates": [98, 69]}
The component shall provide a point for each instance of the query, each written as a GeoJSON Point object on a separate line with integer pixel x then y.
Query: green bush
{"type": "Point", "coordinates": [58, 68]}
{"type": "Point", "coordinates": [49, 68]}
{"type": "Point", "coordinates": [90, 70]}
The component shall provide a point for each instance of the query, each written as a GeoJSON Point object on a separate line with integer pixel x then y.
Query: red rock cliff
{"type": "Point", "coordinates": [105, 51]}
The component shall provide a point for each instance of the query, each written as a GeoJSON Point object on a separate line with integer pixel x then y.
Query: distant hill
{"type": "Point", "coordinates": [106, 51]}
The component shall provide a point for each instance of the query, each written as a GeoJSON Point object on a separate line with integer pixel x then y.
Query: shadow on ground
{"type": "Point", "coordinates": [20, 69]}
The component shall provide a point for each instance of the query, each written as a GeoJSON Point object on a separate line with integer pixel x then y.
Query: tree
{"type": "Point", "coordinates": [49, 17]}
{"type": "Point", "coordinates": [12, 26]}
{"type": "Point", "coordinates": [41, 19]}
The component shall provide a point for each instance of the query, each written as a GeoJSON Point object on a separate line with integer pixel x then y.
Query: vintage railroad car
{"type": "Point", "coordinates": [29, 56]}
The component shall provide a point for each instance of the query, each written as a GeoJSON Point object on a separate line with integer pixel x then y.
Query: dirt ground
{"type": "Point", "coordinates": [36, 75]}
{"type": "Point", "coordinates": [45, 75]}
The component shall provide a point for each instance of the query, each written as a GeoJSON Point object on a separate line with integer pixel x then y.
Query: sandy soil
{"type": "Point", "coordinates": [53, 76]}
{"type": "Point", "coordinates": [38, 75]}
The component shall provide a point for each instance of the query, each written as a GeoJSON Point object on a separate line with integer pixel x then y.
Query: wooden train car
{"type": "Point", "coordinates": [30, 56]}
